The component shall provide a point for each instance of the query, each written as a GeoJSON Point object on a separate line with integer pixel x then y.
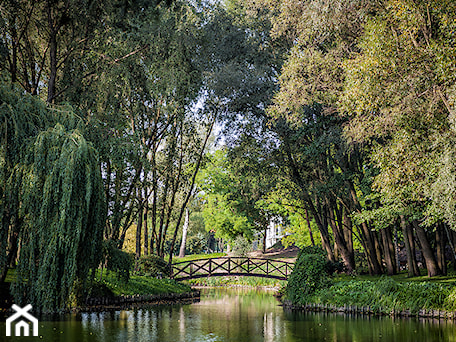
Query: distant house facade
{"type": "Point", "coordinates": [275, 231]}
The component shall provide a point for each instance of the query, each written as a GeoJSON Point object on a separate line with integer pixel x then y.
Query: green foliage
{"type": "Point", "coordinates": [387, 295]}
{"type": "Point", "coordinates": [237, 281]}
{"type": "Point", "coordinates": [226, 210]}
{"type": "Point", "coordinates": [241, 246]}
{"type": "Point", "coordinates": [117, 261]}
{"type": "Point", "coordinates": [407, 45]}
{"type": "Point", "coordinates": [309, 275]}
{"type": "Point", "coordinates": [64, 211]}
{"type": "Point", "coordinates": [143, 285]}
{"type": "Point", "coordinates": [152, 266]}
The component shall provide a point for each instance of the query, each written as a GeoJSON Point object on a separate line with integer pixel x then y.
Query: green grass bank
{"type": "Point", "coordinates": [386, 295]}
{"type": "Point", "coordinates": [311, 283]}
{"type": "Point", "coordinates": [237, 281]}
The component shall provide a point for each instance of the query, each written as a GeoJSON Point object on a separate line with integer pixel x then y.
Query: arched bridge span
{"type": "Point", "coordinates": [232, 266]}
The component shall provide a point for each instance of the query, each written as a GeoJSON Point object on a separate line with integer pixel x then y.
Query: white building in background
{"type": "Point", "coordinates": [274, 233]}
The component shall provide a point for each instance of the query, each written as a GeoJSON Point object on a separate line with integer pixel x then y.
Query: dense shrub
{"type": "Point", "coordinates": [309, 275]}
{"type": "Point", "coordinates": [152, 265]}
{"type": "Point", "coordinates": [117, 261]}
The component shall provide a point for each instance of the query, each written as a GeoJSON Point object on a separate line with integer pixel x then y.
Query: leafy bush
{"type": "Point", "coordinates": [195, 244]}
{"type": "Point", "coordinates": [152, 265]}
{"type": "Point", "coordinates": [117, 261]}
{"type": "Point", "coordinates": [241, 246]}
{"type": "Point", "coordinates": [309, 275]}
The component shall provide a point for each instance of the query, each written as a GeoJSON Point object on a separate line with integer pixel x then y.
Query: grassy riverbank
{"type": "Point", "coordinates": [110, 285]}
{"type": "Point", "coordinates": [387, 295]}
{"type": "Point", "coordinates": [142, 285]}
{"type": "Point", "coordinates": [310, 283]}
{"type": "Point", "coordinates": [237, 281]}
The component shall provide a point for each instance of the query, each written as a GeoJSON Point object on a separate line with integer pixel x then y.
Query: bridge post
{"type": "Point", "coordinates": [229, 265]}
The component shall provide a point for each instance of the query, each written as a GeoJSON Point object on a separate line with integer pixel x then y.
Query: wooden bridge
{"type": "Point", "coordinates": [232, 266]}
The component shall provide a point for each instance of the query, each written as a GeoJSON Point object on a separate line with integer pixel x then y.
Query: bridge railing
{"type": "Point", "coordinates": [232, 266]}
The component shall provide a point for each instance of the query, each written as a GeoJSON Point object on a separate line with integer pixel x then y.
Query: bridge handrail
{"type": "Point", "coordinates": [255, 263]}
{"type": "Point", "coordinates": [227, 257]}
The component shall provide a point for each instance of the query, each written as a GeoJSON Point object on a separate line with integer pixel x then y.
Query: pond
{"type": "Point", "coordinates": [235, 315]}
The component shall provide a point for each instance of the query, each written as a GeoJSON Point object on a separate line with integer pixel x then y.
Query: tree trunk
{"type": "Point", "coordinates": [367, 238]}
{"type": "Point", "coordinates": [264, 240]}
{"type": "Point", "coordinates": [310, 228]}
{"type": "Point", "coordinates": [192, 184]}
{"type": "Point", "coordinates": [440, 247]}
{"type": "Point", "coordinates": [348, 231]}
{"type": "Point", "coordinates": [146, 232]}
{"type": "Point", "coordinates": [138, 233]}
{"type": "Point", "coordinates": [389, 256]}
{"type": "Point", "coordinates": [391, 248]}
{"type": "Point", "coordinates": [410, 248]}
{"type": "Point", "coordinates": [428, 254]}
{"type": "Point", "coordinates": [378, 248]}
{"type": "Point", "coordinates": [339, 240]}
{"type": "Point", "coordinates": [184, 234]}
{"type": "Point", "coordinates": [52, 56]}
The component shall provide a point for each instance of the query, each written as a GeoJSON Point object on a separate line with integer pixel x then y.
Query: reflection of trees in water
{"type": "Point", "coordinates": [227, 315]}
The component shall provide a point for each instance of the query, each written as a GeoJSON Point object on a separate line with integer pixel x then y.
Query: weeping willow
{"type": "Point", "coordinates": [64, 213]}
{"type": "Point", "coordinates": [51, 181]}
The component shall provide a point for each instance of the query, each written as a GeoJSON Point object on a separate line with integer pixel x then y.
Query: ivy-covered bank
{"type": "Point", "coordinates": [311, 287]}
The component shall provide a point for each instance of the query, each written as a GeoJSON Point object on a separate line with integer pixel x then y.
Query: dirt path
{"type": "Point", "coordinates": [288, 254]}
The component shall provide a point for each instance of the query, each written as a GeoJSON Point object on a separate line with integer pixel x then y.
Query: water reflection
{"type": "Point", "coordinates": [235, 315]}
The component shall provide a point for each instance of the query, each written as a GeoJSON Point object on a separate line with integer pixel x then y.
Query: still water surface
{"type": "Point", "coordinates": [235, 316]}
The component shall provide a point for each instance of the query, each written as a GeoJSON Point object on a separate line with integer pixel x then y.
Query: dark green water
{"type": "Point", "coordinates": [237, 316]}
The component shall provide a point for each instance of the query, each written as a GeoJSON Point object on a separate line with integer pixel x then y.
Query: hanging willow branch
{"type": "Point", "coordinates": [64, 212]}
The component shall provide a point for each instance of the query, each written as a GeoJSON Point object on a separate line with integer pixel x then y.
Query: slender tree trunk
{"type": "Point", "coordinates": [396, 249]}
{"type": "Point", "coordinates": [154, 203]}
{"type": "Point", "coordinates": [162, 217]}
{"type": "Point", "coordinates": [138, 233]}
{"type": "Point", "coordinates": [449, 235]}
{"type": "Point", "coordinates": [389, 257]}
{"type": "Point", "coordinates": [348, 232]}
{"type": "Point", "coordinates": [146, 231]}
{"type": "Point", "coordinates": [378, 248]}
{"type": "Point", "coordinates": [192, 184]}
{"type": "Point", "coordinates": [339, 240]}
{"type": "Point", "coordinates": [391, 248]}
{"type": "Point", "coordinates": [322, 224]}
{"type": "Point", "coordinates": [369, 244]}
{"type": "Point", "coordinates": [428, 254]}
{"type": "Point", "coordinates": [440, 247]}
{"type": "Point", "coordinates": [310, 228]}
{"type": "Point", "coordinates": [264, 240]}
{"type": "Point", "coordinates": [410, 249]}
{"type": "Point", "coordinates": [184, 234]}
{"type": "Point", "coordinates": [52, 55]}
